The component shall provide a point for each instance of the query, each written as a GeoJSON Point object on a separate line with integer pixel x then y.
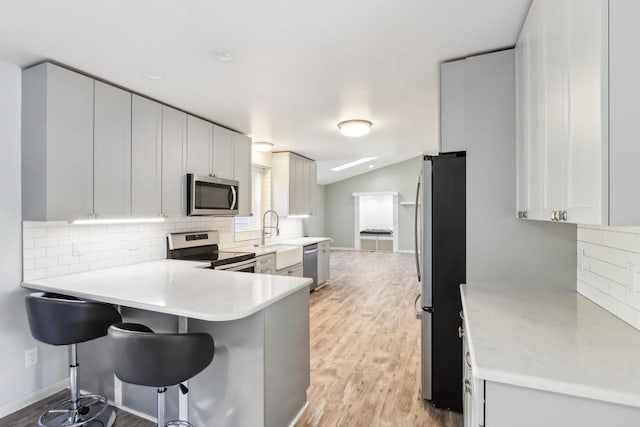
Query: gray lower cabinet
{"type": "Point", "coordinates": [242, 172]}
{"type": "Point", "coordinates": [507, 405]}
{"type": "Point", "coordinates": [57, 144]}
{"type": "Point", "coordinates": [112, 156]}
{"type": "Point", "coordinates": [174, 162]}
{"type": "Point", "coordinates": [323, 262]}
{"type": "Point", "coordinates": [294, 270]}
{"type": "Point", "coordinates": [266, 264]}
{"type": "Point", "coordinates": [146, 157]}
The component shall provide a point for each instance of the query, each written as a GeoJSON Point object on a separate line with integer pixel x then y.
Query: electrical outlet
{"type": "Point", "coordinates": [31, 357]}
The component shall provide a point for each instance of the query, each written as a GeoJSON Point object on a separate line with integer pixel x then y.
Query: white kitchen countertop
{"type": "Point", "coordinates": [181, 288]}
{"type": "Point", "coordinates": [303, 241]}
{"type": "Point", "coordinates": [273, 246]}
{"type": "Point", "coordinates": [551, 340]}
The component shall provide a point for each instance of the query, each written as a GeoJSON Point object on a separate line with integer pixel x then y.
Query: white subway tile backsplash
{"type": "Point", "coordinates": [609, 269]}
{"type": "Point", "coordinates": [56, 248]}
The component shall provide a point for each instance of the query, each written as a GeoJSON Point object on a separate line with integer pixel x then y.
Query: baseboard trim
{"type": "Point", "coordinates": [404, 251]}
{"type": "Point", "coordinates": [297, 417]}
{"type": "Point", "coordinates": [33, 397]}
{"type": "Point", "coordinates": [337, 248]}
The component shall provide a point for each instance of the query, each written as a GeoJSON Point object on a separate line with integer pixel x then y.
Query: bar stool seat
{"type": "Point", "coordinates": [56, 319]}
{"type": "Point", "coordinates": [159, 360]}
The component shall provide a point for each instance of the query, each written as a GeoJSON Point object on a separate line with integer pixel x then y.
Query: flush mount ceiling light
{"type": "Point", "coordinates": [355, 127]}
{"type": "Point", "coordinates": [352, 164]}
{"type": "Point", "coordinates": [222, 55]}
{"type": "Point", "coordinates": [263, 146]}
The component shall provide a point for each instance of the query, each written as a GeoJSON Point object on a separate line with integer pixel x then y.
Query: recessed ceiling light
{"type": "Point", "coordinates": [370, 166]}
{"type": "Point", "coordinates": [352, 164]}
{"type": "Point", "coordinates": [152, 75]}
{"type": "Point", "coordinates": [263, 146]}
{"type": "Point", "coordinates": [222, 55]}
{"type": "Point", "coordinates": [355, 127]}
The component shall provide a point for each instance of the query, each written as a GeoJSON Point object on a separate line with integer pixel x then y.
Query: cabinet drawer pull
{"type": "Point", "coordinates": [460, 331]}
{"type": "Point", "coordinates": [467, 360]}
{"type": "Point", "coordinates": [467, 386]}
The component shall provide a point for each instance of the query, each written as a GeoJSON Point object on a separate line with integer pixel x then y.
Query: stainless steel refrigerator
{"type": "Point", "coordinates": [440, 240]}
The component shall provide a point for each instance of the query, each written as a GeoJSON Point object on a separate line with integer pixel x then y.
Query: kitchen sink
{"type": "Point", "coordinates": [287, 256]}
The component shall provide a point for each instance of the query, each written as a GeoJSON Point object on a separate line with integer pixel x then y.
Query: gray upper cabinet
{"type": "Point", "coordinates": [199, 146]}
{"type": "Point", "coordinates": [242, 173]}
{"type": "Point", "coordinates": [222, 159]}
{"type": "Point", "coordinates": [294, 184]}
{"type": "Point", "coordinates": [57, 144]}
{"type": "Point", "coordinates": [146, 157]}
{"type": "Point", "coordinates": [452, 106]}
{"type": "Point", "coordinates": [90, 149]}
{"type": "Point", "coordinates": [174, 162]}
{"type": "Point", "coordinates": [112, 157]}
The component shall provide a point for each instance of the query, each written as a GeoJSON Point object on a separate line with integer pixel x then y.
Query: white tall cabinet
{"type": "Point", "coordinates": [576, 102]}
{"type": "Point", "coordinates": [146, 157]}
{"type": "Point", "coordinates": [112, 151]}
{"type": "Point", "coordinates": [294, 184]}
{"type": "Point", "coordinates": [57, 144]}
{"type": "Point", "coordinates": [174, 162]}
{"type": "Point", "coordinates": [242, 173]}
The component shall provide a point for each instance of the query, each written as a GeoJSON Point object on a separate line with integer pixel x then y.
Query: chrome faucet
{"type": "Point", "coordinates": [264, 227]}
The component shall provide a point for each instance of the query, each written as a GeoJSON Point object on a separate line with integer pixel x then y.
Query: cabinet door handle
{"type": "Point", "coordinates": [460, 331]}
{"type": "Point", "coordinates": [525, 214]}
{"type": "Point", "coordinates": [563, 215]}
{"type": "Point", "coordinates": [467, 360]}
{"type": "Point", "coordinates": [467, 386]}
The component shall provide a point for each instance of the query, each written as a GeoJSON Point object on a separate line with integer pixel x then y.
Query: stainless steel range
{"type": "Point", "coordinates": [204, 246]}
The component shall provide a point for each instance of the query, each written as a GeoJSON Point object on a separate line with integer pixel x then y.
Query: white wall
{"type": "Point", "coordinates": [501, 248]}
{"type": "Point", "coordinates": [608, 269]}
{"type": "Point", "coordinates": [15, 338]}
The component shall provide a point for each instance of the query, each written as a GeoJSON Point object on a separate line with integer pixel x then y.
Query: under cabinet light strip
{"type": "Point", "coordinates": [116, 221]}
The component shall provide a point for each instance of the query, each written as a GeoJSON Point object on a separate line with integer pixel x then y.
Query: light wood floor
{"type": "Point", "coordinates": [365, 346]}
{"type": "Point", "coordinates": [365, 351]}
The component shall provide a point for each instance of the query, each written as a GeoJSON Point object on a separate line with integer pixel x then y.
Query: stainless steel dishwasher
{"type": "Point", "coordinates": [310, 264]}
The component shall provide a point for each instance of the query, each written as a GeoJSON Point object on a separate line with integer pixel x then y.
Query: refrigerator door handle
{"type": "Point", "coordinates": [416, 231]}
{"type": "Point", "coordinates": [416, 308]}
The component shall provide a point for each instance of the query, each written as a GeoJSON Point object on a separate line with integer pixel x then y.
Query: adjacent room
{"type": "Point", "coordinates": [317, 214]}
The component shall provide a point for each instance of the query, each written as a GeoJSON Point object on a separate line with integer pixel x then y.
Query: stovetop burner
{"type": "Point", "coordinates": [202, 246]}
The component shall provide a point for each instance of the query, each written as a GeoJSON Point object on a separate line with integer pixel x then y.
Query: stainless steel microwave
{"type": "Point", "coordinates": [207, 195]}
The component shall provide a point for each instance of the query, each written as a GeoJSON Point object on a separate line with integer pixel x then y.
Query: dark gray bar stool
{"type": "Point", "coordinates": [62, 320]}
{"type": "Point", "coordinates": [145, 358]}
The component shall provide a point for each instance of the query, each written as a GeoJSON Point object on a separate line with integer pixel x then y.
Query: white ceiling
{"type": "Point", "coordinates": [299, 66]}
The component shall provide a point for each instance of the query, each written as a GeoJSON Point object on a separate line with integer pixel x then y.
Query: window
{"type": "Point", "coordinates": [260, 199]}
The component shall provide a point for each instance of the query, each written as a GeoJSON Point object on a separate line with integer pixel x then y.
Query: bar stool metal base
{"type": "Point", "coordinates": [179, 423]}
{"type": "Point", "coordinates": [91, 411]}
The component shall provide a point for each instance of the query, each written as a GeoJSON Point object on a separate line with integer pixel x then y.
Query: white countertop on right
{"type": "Point", "coordinates": [553, 340]}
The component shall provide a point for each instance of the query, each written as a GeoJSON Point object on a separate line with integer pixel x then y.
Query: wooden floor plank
{"type": "Point", "coordinates": [365, 346]}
